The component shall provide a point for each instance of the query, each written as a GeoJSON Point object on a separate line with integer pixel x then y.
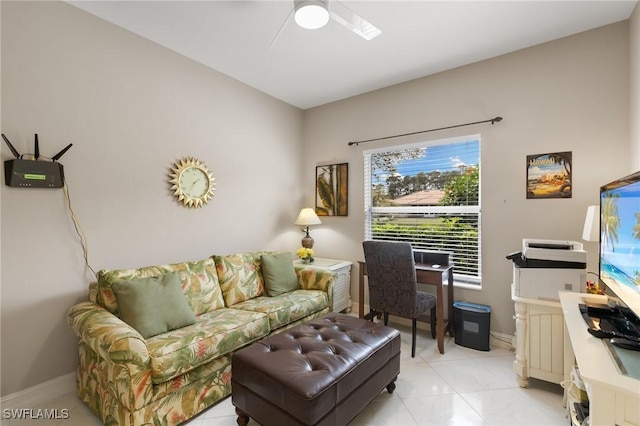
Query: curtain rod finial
{"type": "Point", "coordinates": [496, 120]}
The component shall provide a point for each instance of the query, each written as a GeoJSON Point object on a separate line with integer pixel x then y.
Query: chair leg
{"type": "Point", "coordinates": [372, 315]}
{"type": "Point", "coordinates": [433, 322]}
{"type": "Point", "coordinates": [413, 338]}
{"type": "Point", "coordinates": [386, 318]}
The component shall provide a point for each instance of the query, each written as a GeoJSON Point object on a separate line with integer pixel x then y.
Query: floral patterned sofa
{"type": "Point", "coordinates": [128, 379]}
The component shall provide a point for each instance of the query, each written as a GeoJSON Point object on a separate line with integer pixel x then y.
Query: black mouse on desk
{"type": "Point", "coordinates": [625, 343]}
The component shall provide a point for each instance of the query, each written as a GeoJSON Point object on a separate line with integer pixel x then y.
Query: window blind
{"type": "Point", "coordinates": [429, 195]}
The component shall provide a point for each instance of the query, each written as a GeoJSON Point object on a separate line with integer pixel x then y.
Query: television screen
{"type": "Point", "coordinates": [620, 239]}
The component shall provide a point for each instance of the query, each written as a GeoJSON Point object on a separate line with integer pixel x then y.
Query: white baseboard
{"type": "Point", "coordinates": [501, 340]}
{"type": "Point", "coordinates": [496, 340]}
{"type": "Point", "coordinates": [37, 395]}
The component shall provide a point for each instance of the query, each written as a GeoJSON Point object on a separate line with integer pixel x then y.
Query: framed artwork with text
{"type": "Point", "coordinates": [549, 175]}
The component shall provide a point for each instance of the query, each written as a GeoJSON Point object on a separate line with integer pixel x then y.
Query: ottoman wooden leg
{"type": "Point", "coordinates": [243, 418]}
{"type": "Point", "coordinates": [392, 386]}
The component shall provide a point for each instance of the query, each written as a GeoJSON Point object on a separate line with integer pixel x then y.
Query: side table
{"type": "Point", "coordinates": [342, 287]}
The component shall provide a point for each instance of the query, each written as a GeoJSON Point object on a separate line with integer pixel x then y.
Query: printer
{"type": "Point", "coordinates": [545, 267]}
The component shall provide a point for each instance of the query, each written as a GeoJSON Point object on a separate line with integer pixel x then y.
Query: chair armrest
{"type": "Point", "coordinates": [317, 279]}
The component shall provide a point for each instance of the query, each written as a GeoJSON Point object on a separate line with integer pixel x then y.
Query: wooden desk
{"type": "Point", "coordinates": [425, 274]}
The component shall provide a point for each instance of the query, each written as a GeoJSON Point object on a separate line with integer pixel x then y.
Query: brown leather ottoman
{"type": "Point", "coordinates": [323, 372]}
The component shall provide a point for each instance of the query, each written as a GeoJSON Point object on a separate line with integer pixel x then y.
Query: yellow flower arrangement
{"type": "Point", "coordinates": [306, 254]}
{"type": "Point", "coordinates": [594, 288]}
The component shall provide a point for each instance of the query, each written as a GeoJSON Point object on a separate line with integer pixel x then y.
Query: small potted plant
{"type": "Point", "coordinates": [305, 254]}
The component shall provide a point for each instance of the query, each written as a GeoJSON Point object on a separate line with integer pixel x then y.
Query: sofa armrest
{"type": "Point", "coordinates": [109, 336]}
{"type": "Point", "coordinates": [93, 292]}
{"type": "Point", "coordinates": [123, 349]}
{"type": "Point", "coordinates": [317, 279]}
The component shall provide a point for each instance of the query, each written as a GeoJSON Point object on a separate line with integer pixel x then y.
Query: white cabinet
{"type": "Point", "coordinates": [342, 287]}
{"type": "Point", "coordinates": [543, 348]}
{"type": "Point", "coordinates": [614, 397]}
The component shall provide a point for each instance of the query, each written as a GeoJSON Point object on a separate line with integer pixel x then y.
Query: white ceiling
{"type": "Point", "coordinates": [307, 68]}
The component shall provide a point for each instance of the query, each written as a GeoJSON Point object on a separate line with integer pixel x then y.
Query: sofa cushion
{"type": "Point", "coordinates": [214, 334]}
{"type": "Point", "coordinates": [278, 273]}
{"type": "Point", "coordinates": [153, 305]}
{"type": "Point", "coordinates": [199, 284]}
{"type": "Point", "coordinates": [287, 307]}
{"type": "Point", "coordinates": [240, 276]}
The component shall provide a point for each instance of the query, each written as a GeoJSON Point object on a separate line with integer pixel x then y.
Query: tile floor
{"type": "Point", "coordinates": [461, 387]}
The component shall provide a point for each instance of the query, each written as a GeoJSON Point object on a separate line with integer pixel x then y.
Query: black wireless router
{"type": "Point", "coordinates": [33, 173]}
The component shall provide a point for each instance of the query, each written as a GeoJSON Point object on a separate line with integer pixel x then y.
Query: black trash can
{"type": "Point", "coordinates": [471, 323]}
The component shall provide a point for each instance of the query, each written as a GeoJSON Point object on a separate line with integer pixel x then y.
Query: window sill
{"type": "Point", "coordinates": [466, 285]}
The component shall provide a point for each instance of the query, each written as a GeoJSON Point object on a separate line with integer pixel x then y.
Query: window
{"type": "Point", "coordinates": [429, 195]}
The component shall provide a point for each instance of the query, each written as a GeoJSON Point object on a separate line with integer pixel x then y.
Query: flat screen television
{"type": "Point", "coordinates": [619, 267]}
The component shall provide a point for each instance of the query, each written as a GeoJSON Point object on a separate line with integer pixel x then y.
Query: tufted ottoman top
{"type": "Point", "coordinates": [308, 369]}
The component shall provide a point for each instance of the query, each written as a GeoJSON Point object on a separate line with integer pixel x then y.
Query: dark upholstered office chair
{"type": "Point", "coordinates": [393, 288]}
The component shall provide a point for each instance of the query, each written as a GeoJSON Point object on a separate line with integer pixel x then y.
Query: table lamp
{"type": "Point", "coordinates": [591, 230]}
{"type": "Point", "coordinates": [306, 218]}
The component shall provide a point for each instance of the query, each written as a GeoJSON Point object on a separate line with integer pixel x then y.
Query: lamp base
{"type": "Point", "coordinates": [307, 241]}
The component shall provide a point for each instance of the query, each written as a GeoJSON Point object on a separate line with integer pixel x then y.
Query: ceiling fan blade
{"type": "Point", "coordinates": [284, 24]}
{"type": "Point", "coordinates": [348, 18]}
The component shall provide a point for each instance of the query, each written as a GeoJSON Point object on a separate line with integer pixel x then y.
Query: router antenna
{"type": "Point", "coordinates": [61, 153]}
{"type": "Point", "coordinates": [13, 150]}
{"type": "Point", "coordinates": [37, 148]}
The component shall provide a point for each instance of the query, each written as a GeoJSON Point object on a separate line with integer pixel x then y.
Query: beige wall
{"type": "Point", "coordinates": [634, 82]}
{"type": "Point", "coordinates": [130, 108]}
{"type": "Point", "coordinates": [567, 95]}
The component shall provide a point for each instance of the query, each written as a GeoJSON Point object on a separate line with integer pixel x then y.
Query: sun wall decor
{"type": "Point", "coordinates": [191, 182]}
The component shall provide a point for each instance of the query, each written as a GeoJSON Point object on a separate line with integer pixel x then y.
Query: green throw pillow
{"type": "Point", "coordinates": [278, 273]}
{"type": "Point", "coordinates": [153, 305]}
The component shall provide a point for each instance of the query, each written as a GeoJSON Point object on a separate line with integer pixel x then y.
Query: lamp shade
{"type": "Point", "coordinates": [591, 231]}
{"type": "Point", "coordinates": [307, 217]}
{"type": "Point", "coordinates": [311, 14]}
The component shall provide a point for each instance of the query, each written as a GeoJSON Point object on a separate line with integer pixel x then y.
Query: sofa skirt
{"type": "Point", "coordinates": [172, 402]}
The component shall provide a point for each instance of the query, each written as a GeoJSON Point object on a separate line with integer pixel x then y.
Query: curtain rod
{"type": "Point", "coordinates": [491, 120]}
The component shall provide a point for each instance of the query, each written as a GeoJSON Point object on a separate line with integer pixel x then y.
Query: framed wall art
{"type": "Point", "coordinates": [331, 189]}
{"type": "Point", "coordinates": [549, 175]}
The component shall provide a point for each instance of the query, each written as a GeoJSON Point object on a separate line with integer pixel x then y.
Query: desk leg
{"type": "Point", "coordinates": [361, 290]}
{"type": "Point", "coordinates": [440, 330]}
{"type": "Point", "coordinates": [450, 324]}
